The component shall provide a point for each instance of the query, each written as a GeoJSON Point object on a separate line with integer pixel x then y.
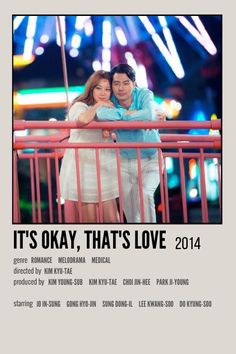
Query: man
{"type": "Point", "coordinates": [132, 103]}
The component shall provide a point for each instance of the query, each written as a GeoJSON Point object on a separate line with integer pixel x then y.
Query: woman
{"type": "Point", "coordinates": [97, 93]}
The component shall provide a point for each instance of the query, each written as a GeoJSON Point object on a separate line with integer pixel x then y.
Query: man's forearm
{"type": "Point", "coordinates": [104, 113]}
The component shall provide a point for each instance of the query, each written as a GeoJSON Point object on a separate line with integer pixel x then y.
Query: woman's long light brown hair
{"type": "Point", "coordinates": [87, 95]}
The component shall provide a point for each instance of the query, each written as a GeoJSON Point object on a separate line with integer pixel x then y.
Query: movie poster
{"type": "Point", "coordinates": [122, 287]}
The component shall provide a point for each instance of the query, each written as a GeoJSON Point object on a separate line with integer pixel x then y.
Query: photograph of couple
{"type": "Point", "coordinates": [106, 161]}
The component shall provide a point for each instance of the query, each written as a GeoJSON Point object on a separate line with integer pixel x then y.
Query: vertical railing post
{"type": "Point", "coordinates": [70, 212]}
{"type": "Point", "coordinates": [183, 186]}
{"type": "Point", "coordinates": [77, 169]}
{"type": "Point", "coordinates": [205, 218]}
{"type": "Point", "coordinates": [119, 185]}
{"type": "Point", "coordinates": [167, 207]}
{"type": "Point", "coordinates": [32, 186]}
{"type": "Point", "coordinates": [50, 204]}
{"type": "Point", "coordinates": [58, 188]}
{"type": "Point", "coordinates": [37, 176]}
{"type": "Point", "coordinates": [100, 211]}
{"type": "Point", "coordinates": [16, 207]}
{"type": "Point", "coordinates": [140, 184]}
{"type": "Point", "coordinates": [163, 209]}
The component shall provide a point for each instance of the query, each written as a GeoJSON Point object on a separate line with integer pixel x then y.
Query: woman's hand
{"type": "Point", "coordinates": [108, 104]}
{"type": "Point", "coordinates": [128, 113]}
{"type": "Point", "coordinates": [106, 133]}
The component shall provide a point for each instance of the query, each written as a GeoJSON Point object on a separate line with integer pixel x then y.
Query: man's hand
{"type": "Point", "coordinates": [160, 116]}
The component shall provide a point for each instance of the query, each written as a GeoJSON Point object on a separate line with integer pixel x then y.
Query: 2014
{"type": "Point", "coordinates": [184, 243]}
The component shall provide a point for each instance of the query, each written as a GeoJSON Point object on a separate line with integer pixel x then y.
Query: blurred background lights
{"type": "Point", "coordinates": [29, 41]}
{"type": "Point", "coordinates": [124, 31]}
{"type": "Point", "coordinates": [141, 76]}
{"type": "Point", "coordinates": [171, 108]}
{"type": "Point", "coordinates": [193, 193]}
{"type": "Point", "coordinates": [80, 21]}
{"type": "Point", "coordinates": [19, 61]}
{"type": "Point", "coordinates": [44, 38]}
{"type": "Point", "coordinates": [96, 65]}
{"type": "Point", "coordinates": [121, 36]}
{"type": "Point", "coordinates": [214, 131]}
{"type": "Point", "coordinates": [211, 177]}
{"type": "Point", "coordinates": [106, 43]}
{"type": "Point", "coordinates": [39, 50]}
{"type": "Point", "coordinates": [173, 181]}
{"type": "Point", "coordinates": [74, 52]}
{"type": "Point", "coordinates": [192, 168]}
{"type": "Point", "coordinates": [200, 33]}
{"type": "Point", "coordinates": [169, 164]}
{"type": "Point", "coordinates": [17, 21]}
{"type": "Point", "coordinates": [76, 40]}
{"type": "Point", "coordinates": [88, 28]}
{"type": "Point", "coordinates": [212, 172]}
{"type": "Point", "coordinates": [200, 116]}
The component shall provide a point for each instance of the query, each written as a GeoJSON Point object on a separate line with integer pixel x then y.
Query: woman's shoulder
{"type": "Point", "coordinates": [79, 104]}
{"type": "Point", "coordinates": [76, 109]}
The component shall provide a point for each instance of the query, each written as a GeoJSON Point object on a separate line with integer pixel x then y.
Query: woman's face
{"type": "Point", "coordinates": [102, 91]}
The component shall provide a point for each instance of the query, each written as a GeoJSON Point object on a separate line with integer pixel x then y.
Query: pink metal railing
{"type": "Point", "coordinates": [56, 143]}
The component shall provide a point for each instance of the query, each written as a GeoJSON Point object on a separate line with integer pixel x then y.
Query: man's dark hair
{"type": "Point", "coordinates": [124, 69]}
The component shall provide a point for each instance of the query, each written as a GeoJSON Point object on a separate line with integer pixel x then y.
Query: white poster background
{"type": "Point", "coordinates": [210, 270]}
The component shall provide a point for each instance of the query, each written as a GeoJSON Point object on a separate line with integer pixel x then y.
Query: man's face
{"type": "Point", "coordinates": [122, 88]}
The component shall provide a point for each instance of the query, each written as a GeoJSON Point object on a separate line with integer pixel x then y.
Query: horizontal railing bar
{"type": "Point", "coordinates": [192, 154]}
{"type": "Point", "coordinates": [188, 137]}
{"type": "Point", "coordinates": [170, 145]}
{"type": "Point", "coordinates": [164, 137]}
{"type": "Point", "coordinates": [23, 124]}
{"type": "Point", "coordinates": [51, 155]}
{"type": "Point", "coordinates": [54, 137]}
{"type": "Point", "coordinates": [40, 155]}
